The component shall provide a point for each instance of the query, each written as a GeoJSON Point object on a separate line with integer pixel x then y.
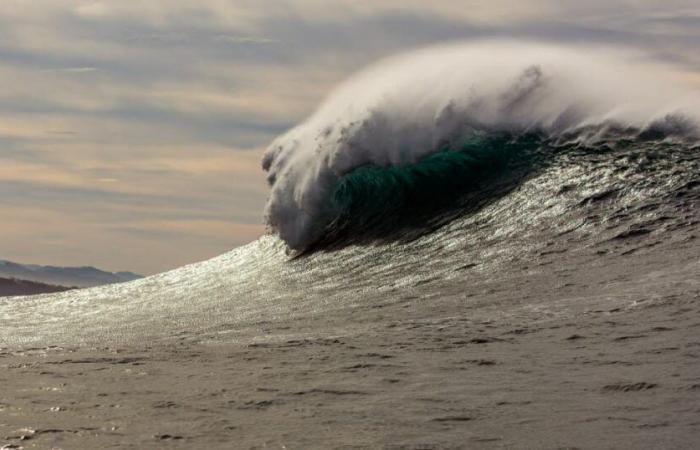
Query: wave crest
{"type": "Point", "coordinates": [406, 108]}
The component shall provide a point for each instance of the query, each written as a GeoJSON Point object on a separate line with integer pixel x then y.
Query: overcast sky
{"type": "Point", "coordinates": [131, 131]}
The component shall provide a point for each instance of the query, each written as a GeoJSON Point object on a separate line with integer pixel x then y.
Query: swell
{"type": "Point", "coordinates": [534, 206]}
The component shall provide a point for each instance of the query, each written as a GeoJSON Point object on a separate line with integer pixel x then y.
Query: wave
{"type": "Point", "coordinates": [405, 145]}
{"type": "Point", "coordinates": [402, 202]}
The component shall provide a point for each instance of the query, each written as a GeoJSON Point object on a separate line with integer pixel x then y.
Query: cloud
{"type": "Point", "coordinates": [127, 126]}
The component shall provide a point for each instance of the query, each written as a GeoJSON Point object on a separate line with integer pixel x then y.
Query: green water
{"type": "Point", "coordinates": [408, 194]}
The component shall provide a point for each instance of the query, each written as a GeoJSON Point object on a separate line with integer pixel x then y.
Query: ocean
{"type": "Point", "coordinates": [480, 245]}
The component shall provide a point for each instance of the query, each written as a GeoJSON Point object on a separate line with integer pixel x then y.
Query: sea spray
{"type": "Point", "coordinates": [410, 106]}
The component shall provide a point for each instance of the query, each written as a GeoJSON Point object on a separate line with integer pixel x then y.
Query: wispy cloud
{"type": "Point", "coordinates": [74, 69]}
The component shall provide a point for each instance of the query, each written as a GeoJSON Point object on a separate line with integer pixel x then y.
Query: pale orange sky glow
{"type": "Point", "coordinates": [131, 132]}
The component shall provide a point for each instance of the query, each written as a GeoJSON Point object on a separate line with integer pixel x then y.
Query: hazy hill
{"type": "Point", "coordinates": [11, 287]}
{"type": "Point", "coordinates": [63, 276]}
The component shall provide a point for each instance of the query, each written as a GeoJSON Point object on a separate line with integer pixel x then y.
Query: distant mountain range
{"type": "Point", "coordinates": [12, 287]}
{"type": "Point", "coordinates": [63, 276]}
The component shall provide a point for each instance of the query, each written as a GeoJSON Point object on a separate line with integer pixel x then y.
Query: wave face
{"type": "Point", "coordinates": [407, 144]}
{"type": "Point", "coordinates": [372, 204]}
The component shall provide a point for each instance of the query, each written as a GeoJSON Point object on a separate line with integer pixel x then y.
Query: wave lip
{"type": "Point", "coordinates": [399, 112]}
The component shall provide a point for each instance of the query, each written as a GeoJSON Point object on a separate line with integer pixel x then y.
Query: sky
{"type": "Point", "coordinates": [131, 132]}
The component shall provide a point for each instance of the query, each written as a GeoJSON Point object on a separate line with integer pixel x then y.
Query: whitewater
{"type": "Point", "coordinates": [413, 105]}
{"type": "Point", "coordinates": [491, 242]}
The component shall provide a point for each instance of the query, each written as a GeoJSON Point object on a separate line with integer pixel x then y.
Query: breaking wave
{"type": "Point", "coordinates": [414, 141]}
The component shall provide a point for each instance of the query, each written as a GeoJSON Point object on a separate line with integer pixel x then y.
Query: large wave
{"type": "Point", "coordinates": [433, 125]}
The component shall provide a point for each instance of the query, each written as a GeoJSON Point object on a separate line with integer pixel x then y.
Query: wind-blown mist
{"type": "Point", "coordinates": [410, 106]}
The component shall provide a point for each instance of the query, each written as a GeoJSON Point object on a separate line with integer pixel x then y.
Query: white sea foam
{"type": "Point", "coordinates": [405, 107]}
